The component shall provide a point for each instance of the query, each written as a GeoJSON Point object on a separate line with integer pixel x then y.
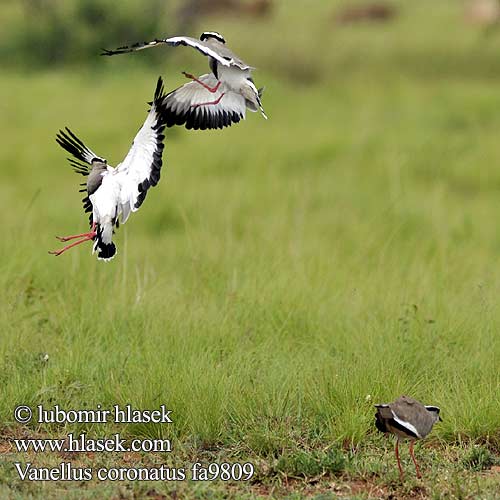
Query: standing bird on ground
{"type": "Point", "coordinates": [214, 100]}
{"type": "Point", "coordinates": [406, 418]}
{"type": "Point", "coordinates": [114, 193]}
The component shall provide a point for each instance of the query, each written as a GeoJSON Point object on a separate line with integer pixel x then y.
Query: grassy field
{"type": "Point", "coordinates": [283, 276]}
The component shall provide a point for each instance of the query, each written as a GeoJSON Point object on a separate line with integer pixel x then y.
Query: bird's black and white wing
{"type": "Point", "coordinates": [141, 168]}
{"type": "Point", "coordinates": [133, 48]}
{"type": "Point", "coordinates": [188, 106]}
{"type": "Point", "coordinates": [404, 426]}
{"type": "Point", "coordinates": [388, 420]}
{"type": "Point", "coordinates": [73, 145]}
{"type": "Point", "coordinates": [223, 55]}
{"type": "Point", "coordinates": [82, 161]}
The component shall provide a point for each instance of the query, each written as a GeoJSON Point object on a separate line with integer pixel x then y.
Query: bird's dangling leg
{"type": "Point", "coordinates": [211, 103]}
{"type": "Point", "coordinates": [213, 90]}
{"type": "Point", "coordinates": [401, 473]}
{"type": "Point", "coordinates": [84, 237]}
{"type": "Point", "coordinates": [62, 250]}
{"type": "Point", "coordinates": [414, 461]}
{"type": "Point", "coordinates": [89, 234]}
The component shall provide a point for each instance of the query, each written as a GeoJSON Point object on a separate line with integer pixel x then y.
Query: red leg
{"type": "Point", "coordinates": [210, 89]}
{"type": "Point", "coordinates": [59, 252]}
{"type": "Point", "coordinates": [212, 103]}
{"type": "Point", "coordinates": [401, 474]}
{"type": "Point", "coordinates": [414, 461]}
{"type": "Point", "coordinates": [91, 233]}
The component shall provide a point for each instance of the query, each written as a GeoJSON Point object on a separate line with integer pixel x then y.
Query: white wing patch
{"type": "Point", "coordinates": [141, 167]}
{"type": "Point", "coordinates": [206, 50]}
{"type": "Point", "coordinates": [406, 425]}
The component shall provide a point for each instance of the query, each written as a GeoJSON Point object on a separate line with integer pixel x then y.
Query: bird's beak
{"type": "Point", "coordinates": [440, 419]}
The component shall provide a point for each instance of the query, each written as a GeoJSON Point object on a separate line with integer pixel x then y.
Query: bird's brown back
{"type": "Point", "coordinates": [412, 411]}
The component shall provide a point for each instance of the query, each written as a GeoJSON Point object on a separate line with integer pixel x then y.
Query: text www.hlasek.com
{"type": "Point", "coordinates": [81, 443]}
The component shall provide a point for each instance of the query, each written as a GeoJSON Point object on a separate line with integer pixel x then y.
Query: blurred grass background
{"type": "Point", "coordinates": [284, 275]}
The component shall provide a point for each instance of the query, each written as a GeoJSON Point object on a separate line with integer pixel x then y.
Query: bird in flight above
{"type": "Point", "coordinates": [213, 100]}
{"type": "Point", "coordinates": [113, 193]}
{"type": "Point", "coordinates": [406, 418]}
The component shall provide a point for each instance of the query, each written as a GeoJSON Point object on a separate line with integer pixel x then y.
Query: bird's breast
{"type": "Point", "coordinates": [232, 76]}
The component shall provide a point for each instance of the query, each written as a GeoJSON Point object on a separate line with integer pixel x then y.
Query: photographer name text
{"type": "Point", "coordinates": [117, 414]}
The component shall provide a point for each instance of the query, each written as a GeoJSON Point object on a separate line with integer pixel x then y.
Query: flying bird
{"type": "Point", "coordinates": [213, 100]}
{"type": "Point", "coordinates": [113, 193]}
{"type": "Point", "coordinates": [406, 418]}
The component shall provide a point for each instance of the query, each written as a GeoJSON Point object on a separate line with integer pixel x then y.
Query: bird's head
{"type": "Point", "coordinates": [206, 35]}
{"type": "Point", "coordinates": [434, 410]}
{"type": "Point", "coordinates": [99, 162]}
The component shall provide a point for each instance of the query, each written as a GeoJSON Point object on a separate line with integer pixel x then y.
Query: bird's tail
{"type": "Point", "coordinates": [258, 96]}
{"type": "Point", "coordinates": [252, 96]}
{"type": "Point", "coordinates": [260, 106]}
{"type": "Point", "coordinates": [103, 243]}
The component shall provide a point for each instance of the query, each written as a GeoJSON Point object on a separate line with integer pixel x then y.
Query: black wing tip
{"type": "Point", "coordinates": [60, 134]}
{"type": "Point", "coordinates": [114, 52]}
{"type": "Point", "coordinates": [69, 136]}
{"type": "Point", "coordinates": [130, 48]}
{"type": "Point", "coordinates": [67, 140]}
{"type": "Point", "coordinates": [73, 145]}
{"type": "Point", "coordinates": [159, 91]}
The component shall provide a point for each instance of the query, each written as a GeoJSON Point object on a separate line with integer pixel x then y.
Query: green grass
{"type": "Point", "coordinates": [284, 275]}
